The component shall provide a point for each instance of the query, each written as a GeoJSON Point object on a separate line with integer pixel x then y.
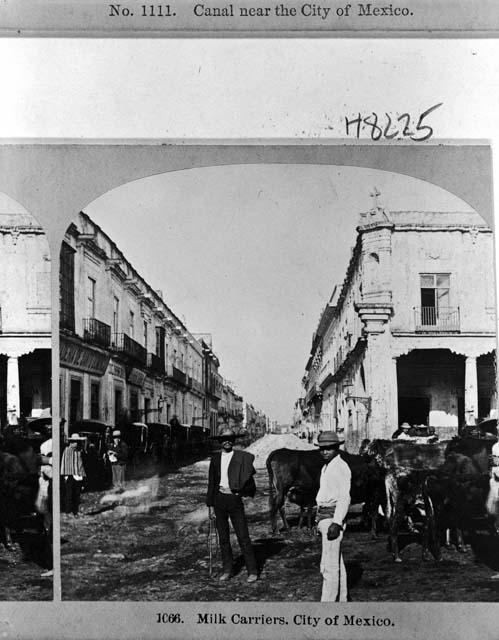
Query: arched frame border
{"type": "Point", "coordinates": [55, 181]}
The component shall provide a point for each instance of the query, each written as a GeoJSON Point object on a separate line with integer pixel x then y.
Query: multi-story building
{"type": "Point", "coordinates": [213, 383]}
{"type": "Point", "coordinates": [230, 408]}
{"type": "Point", "coordinates": [25, 319]}
{"type": "Point", "coordinates": [255, 422]}
{"type": "Point", "coordinates": [410, 336]}
{"type": "Point", "coordinates": [124, 354]}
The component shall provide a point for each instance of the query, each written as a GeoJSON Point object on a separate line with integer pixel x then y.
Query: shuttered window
{"type": "Point", "coordinates": [67, 288]}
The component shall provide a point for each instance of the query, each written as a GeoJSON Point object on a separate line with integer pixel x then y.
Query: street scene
{"type": "Point", "coordinates": [152, 543]}
{"type": "Point", "coordinates": [323, 427]}
{"type": "Point", "coordinates": [25, 407]}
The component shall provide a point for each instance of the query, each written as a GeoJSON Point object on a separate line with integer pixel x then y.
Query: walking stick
{"type": "Point", "coordinates": [210, 552]}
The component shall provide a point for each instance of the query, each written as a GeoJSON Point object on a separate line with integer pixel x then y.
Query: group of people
{"type": "Point", "coordinates": [420, 434]}
{"type": "Point", "coordinates": [230, 479]}
{"type": "Point", "coordinates": [73, 472]}
{"type": "Point", "coordinates": [28, 482]}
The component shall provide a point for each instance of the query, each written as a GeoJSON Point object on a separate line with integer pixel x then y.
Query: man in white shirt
{"type": "Point", "coordinates": [333, 501]}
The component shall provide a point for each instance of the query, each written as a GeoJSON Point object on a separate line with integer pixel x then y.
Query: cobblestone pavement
{"type": "Point", "coordinates": [152, 545]}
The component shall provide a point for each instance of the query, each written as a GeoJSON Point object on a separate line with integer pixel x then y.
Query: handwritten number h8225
{"type": "Point", "coordinates": [388, 128]}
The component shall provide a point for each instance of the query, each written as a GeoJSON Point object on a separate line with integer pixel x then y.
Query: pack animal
{"type": "Point", "coordinates": [18, 493]}
{"type": "Point", "coordinates": [406, 465]}
{"type": "Point", "coordinates": [300, 470]}
{"type": "Point", "coordinates": [441, 475]}
{"type": "Point", "coordinates": [459, 488]}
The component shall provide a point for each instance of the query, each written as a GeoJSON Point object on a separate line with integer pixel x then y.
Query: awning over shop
{"type": "Point", "coordinates": [75, 355]}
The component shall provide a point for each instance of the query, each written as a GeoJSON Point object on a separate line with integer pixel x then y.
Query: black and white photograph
{"type": "Point", "coordinates": [251, 289]}
{"type": "Point", "coordinates": [25, 406]}
{"type": "Point", "coordinates": [287, 396]}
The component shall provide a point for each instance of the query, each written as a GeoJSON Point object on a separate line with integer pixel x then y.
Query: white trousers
{"type": "Point", "coordinates": [334, 575]}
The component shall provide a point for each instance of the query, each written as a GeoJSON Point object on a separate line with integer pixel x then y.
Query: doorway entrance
{"type": "Point", "coordinates": [414, 410]}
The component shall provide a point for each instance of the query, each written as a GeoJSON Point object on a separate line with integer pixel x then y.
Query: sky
{"type": "Point", "coordinates": [251, 254]}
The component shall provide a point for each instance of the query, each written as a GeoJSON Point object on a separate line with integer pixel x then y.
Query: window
{"type": "Point", "coordinates": [159, 340]}
{"type": "Point", "coordinates": [94, 401]}
{"type": "Point", "coordinates": [160, 343]}
{"type": "Point", "coordinates": [90, 298]}
{"type": "Point", "coordinates": [131, 323]}
{"type": "Point", "coordinates": [145, 334]}
{"type": "Point", "coordinates": [67, 288]}
{"type": "Point", "coordinates": [116, 314]}
{"type": "Point", "coordinates": [434, 296]}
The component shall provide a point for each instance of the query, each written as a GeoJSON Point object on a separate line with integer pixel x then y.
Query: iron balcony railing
{"type": "Point", "coordinates": [96, 332]}
{"type": "Point", "coordinates": [155, 363]}
{"type": "Point", "coordinates": [178, 376]}
{"type": "Point", "coordinates": [124, 344]}
{"type": "Point", "coordinates": [437, 319]}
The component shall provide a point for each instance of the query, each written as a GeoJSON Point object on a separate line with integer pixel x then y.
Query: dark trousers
{"type": "Point", "coordinates": [70, 490]}
{"type": "Point", "coordinates": [118, 470]}
{"type": "Point", "coordinates": [227, 505]}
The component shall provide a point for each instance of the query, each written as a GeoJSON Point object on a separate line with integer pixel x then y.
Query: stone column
{"type": "Point", "coordinates": [13, 395]}
{"type": "Point", "coordinates": [380, 369]}
{"type": "Point", "coordinates": [470, 391]}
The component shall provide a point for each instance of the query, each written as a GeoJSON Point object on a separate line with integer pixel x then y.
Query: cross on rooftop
{"type": "Point", "coordinates": [374, 195]}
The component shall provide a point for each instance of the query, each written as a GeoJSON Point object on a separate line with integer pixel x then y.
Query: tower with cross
{"type": "Point", "coordinates": [377, 213]}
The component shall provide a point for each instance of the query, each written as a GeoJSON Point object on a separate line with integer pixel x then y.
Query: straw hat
{"type": "Point", "coordinates": [75, 437]}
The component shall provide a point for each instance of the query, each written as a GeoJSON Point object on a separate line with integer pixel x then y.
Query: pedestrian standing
{"type": "Point", "coordinates": [118, 457]}
{"type": "Point", "coordinates": [333, 501]}
{"type": "Point", "coordinates": [230, 478]}
{"type": "Point", "coordinates": [493, 497]}
{"type": "Point", "coordinates": [72, 474]}
{"type": "Point", "coordinates": [403, 432]}
{"type": "Point", "coordinates": [44, 500]}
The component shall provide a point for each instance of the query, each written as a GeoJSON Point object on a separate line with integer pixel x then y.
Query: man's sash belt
{"type": "Point", "coordinates": [324, 512]}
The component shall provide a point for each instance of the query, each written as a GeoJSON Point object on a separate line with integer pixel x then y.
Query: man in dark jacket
{"type": "Point", "coordinates": [229, 479]}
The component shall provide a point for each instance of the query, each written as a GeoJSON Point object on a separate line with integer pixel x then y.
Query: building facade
{"type": "Point", "coordinates": [124, 354]}
{"type": "Point", "coordinates": [230, 408]}
{"type": "Point", "coordinates": [410, 336]}
{"type": "Point", "coordinates": [255, 422]}
{"type": "Point", "coordinates": [25, 319]}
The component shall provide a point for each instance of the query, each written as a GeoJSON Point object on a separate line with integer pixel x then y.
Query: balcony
{"type": "Point", "coordinates": [178, 376]}
{"type": "Point", "coordinates": [130, 348]}
{"type": "Point", "coordinates": [314, 391]}
{"type": "Point", "coordinates": [97, 332]}
{"type": "Point", "coordinates": [197, 386]}
{"type": "Point", "coordinates": [441, 320]}
{"type": "Point", "coordinates": [155, 363]}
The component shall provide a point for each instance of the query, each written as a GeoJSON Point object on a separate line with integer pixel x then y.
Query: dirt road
{"type": "Point", "coordinates": [21, 570]}
{"type": "Point", "coordinates": [153, 545]}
